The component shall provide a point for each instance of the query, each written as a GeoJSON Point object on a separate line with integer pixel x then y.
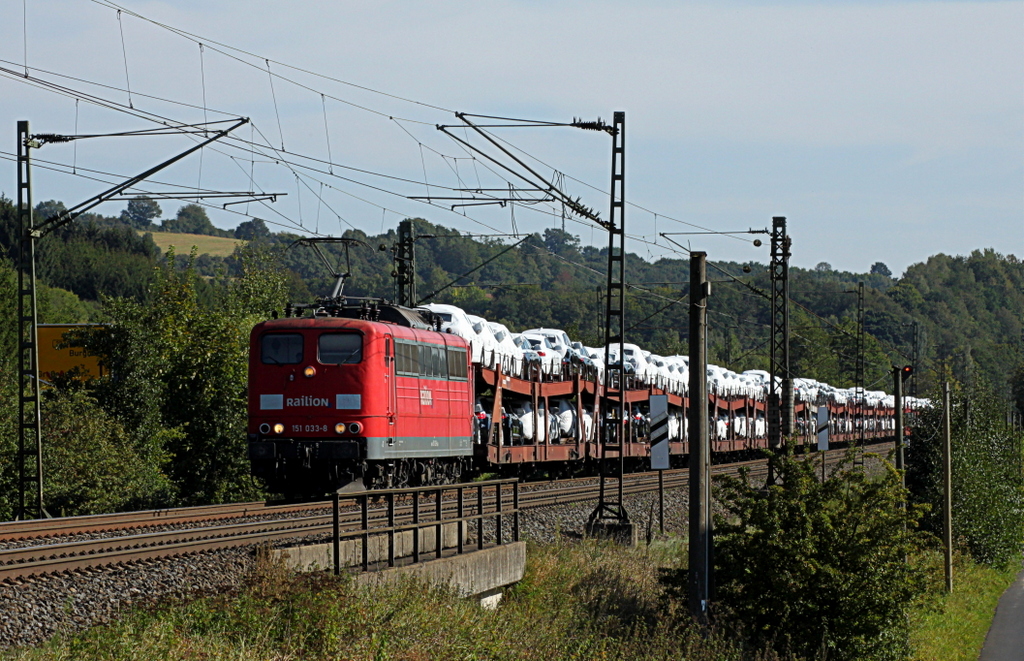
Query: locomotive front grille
{"type": "Point", "coordinates": [284, 448]}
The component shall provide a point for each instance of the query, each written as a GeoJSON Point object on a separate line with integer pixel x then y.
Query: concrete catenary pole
{"type": "Point", "coordinates": [947, 486]}
{"type": "Point", "coordinates": [700, 446]}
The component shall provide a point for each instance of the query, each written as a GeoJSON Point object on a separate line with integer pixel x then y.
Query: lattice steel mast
{"type": "Point", "coordinates": [608, 509]}
{"type": "Point", "coordinates": [860, 358]}
{"type": "Point", "coordinates": [780, 397]}
{"type": "Point", "coordinates": [30, 446]}
{"type": "Point", "coordinates": [29, 415]}
{"type": "Point", "coordinates": [405, 265]}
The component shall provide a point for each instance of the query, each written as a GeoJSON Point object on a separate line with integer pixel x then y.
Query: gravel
{"type": "Point", "coordinates": [35, 610]}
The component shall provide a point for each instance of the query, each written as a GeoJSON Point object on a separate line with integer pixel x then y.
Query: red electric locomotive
{"type": "Point", "coordinates": [364, 395]}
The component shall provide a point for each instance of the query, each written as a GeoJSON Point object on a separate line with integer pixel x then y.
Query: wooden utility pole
{"type": "Point", "coordinates": [947, 486]}
{"type": "Point", "coordinates": [700, 446]}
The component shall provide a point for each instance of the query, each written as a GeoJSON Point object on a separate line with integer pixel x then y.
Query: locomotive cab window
{"type": "Point", "coordinates": [340, 348]}
{"type": "Point", "coordinates": [281, 349]}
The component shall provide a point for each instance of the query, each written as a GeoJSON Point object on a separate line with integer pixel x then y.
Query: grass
{"type": "Point", "coordinates": [952, 627]}
{"type": "Point", "coordinates": [578, 600]}
{"type": "Point", "coordinates": [218, 246]}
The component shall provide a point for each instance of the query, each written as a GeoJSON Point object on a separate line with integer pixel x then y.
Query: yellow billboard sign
{"type": "Point", "coordinates": [55, 362]}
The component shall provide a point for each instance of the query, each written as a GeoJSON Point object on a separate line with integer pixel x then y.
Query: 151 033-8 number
{"type": "Point", "coordinates": [308, 428]}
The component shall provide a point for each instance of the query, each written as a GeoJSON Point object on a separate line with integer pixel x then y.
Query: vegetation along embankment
{"type": "Point", "coordinates": [804, 570]}
{"type": "Point", "coordinates": [168, 429]}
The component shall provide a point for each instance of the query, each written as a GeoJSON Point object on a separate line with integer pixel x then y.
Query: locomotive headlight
{"type": "Point", "coordinates": [279, 428]}
{"type": "Point", "coordinates": [264, 428]}
{"type": "Point", "coordinates": [339, 428]}
{"type": "Point", "coordinates": [355, 428]}
{"type": "Point", "coordinates": [310, 372]}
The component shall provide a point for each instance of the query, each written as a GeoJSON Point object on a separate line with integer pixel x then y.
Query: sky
{"type": "Point", "coordinates": [883, 131]}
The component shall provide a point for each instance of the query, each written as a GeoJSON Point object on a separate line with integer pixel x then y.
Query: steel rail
{"type": "Point", "coordinates": [25, 562]}
{"type": "Point", "coordinates": [73, 525]}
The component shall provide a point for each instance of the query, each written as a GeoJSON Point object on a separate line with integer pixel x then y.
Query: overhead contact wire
{"type": "Point", "coordinates": [124, 52]}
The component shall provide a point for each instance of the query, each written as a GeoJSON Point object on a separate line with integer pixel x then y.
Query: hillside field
{"type": "Point", "coordinates": [218, 246]}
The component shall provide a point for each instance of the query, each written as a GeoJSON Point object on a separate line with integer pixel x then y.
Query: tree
{"type": "Point", "coordinates": [91, 463]}
{"type": "Point", "coordinates": [988, 477]}
{"type": "Point", "coordinates": [141, 213]}
{"type": "Point", "coordinates": [250, 230]}
{"type": "Point", "coordinates": [879, 268]}
{"type": "Point", "coordinates": [561, 242]}
{"type": "Point", "coordinates": [818, 569]}
{"type": "Point", "coordinates": [1017, 389]}
{"type": "Point", "coordinates": [191, 219]}
{"type": "Point", "coordinates": [8, 390]}
{"type": "Point", "coordinates": [180, 368]}
{"type": "Point", "coordinates": [823, 267]}
{"type": "Point", "coordinates": [49, 209]}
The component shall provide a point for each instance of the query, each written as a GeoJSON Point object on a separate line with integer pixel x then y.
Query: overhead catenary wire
{"type": "Point", "coordinates": [277, 157]}
{"type": "Point", "coordinates": [115, 177]}
{"type": "Point", "coordinates": [124, 52]}
{"type": "Point", "coordinates": [193, 37]}
{"type": "Point", "coordinates": [473, 270]}
{"type": "Point", "coordinates": [202, 75]}
{"type": "Point", "coordinates": [763, 294]}
{"type": "Point", "coordinates": [273, 95]}
{"type": "Point", "coordinates": [74, 162]}
{"type": "Point", "coordinates": [24, 33]}
{"type": "Point", "coordinates": [252, 160]}
{"type": "Point", "coordinates": [327, 135]}
{"type": "Point", "coordinates": [595, 188]}
{"type": "Point", "coordinates": [267, 61]}
{"type": "Point", "coordinates": [272, 73]}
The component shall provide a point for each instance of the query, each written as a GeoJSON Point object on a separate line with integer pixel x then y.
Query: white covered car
{"type": "Point", "coordinates": [455, 320]}
{"type": "Point", "coordinates": [510, 354]}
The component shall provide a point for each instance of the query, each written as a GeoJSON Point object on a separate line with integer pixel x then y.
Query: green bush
{"type": "Point", "coordinates": [90, 462]}
{"type": "Point", "coordinates": [181, 367]}
{"type": "Point", "coordinates": [817, 570]}
{"type": "Point", "coordinates": [988, 478]}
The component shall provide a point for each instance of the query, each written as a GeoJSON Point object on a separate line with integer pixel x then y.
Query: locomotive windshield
{"type": "Point", "coordinates": [281, 348]}
{"type": "Point", "coordinates": [341, 348]}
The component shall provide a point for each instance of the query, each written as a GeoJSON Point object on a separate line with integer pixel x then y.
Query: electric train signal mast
{"type": "Point", "coordinates": [29, 232]}
{"type": "Point", "coordinates": [900, 375]}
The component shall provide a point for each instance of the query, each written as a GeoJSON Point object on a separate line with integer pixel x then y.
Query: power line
{"type": "Point", "coordinates": [54, 167]}
{"type": "Point", "coordinates": [198, 39]}
{"type": "Point", "coordinates": [124, 52]}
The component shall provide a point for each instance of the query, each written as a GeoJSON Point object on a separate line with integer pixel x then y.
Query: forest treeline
{"type": "Point", "coordinates": [967, 311]}
{"type": "Point", "coordinates": [169, 427]}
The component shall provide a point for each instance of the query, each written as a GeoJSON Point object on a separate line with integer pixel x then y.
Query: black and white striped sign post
{"type": "Point", "coordinates": [823, 432]}
{"type": "Point", "coordinates": [659, 432]}
{"type": "Point", "coordinates": [659, 449]}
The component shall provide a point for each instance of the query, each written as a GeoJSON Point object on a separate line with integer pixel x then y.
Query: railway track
{"type": "Point", "coordinates": [16, 531]}
{"type": "Point", "coordinates": [218, 527]}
